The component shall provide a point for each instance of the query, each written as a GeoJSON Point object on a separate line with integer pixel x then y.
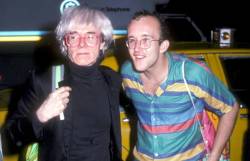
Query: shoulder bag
{"type": "Point", "coordinates": [206, 126]}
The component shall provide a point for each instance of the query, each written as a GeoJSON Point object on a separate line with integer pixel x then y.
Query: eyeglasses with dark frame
{"type": "Point", "coordinates": [73, 39]}
{"type": "Point", "coordinates": [144, 43]}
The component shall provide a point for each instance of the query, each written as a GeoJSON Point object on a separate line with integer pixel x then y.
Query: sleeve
{"type": "Point", "coordinates": [126, 81]}
{"type": "Point", "coordinates": [215, 95]}
{"type": "Point", "coordinates": [22, 126]}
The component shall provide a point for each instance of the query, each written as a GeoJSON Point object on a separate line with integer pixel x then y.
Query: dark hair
{"type": "Point", "coordinates": [164, 31]}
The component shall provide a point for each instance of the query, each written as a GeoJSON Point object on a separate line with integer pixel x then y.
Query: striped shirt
{"type": "Point", "coordinates": [167, 128]}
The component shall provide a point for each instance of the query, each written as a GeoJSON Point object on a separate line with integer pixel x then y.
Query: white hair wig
{"type": "Point", "coordinates": [83, 16]}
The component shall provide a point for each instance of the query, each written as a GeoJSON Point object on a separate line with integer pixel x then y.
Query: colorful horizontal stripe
{"type": "Point", "coordinates": [200, 93]}
{"type": "Point", "coordinates": [193, 154]}
{"type": "Point", "coordinates": [170, 128]}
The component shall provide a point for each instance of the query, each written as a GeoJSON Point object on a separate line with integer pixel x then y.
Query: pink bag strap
{"type": "Point", "coordinates": [195, 109]}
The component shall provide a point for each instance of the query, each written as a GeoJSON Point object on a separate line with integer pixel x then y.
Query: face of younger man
{"type": "Point", "coordinates": [144, 44]}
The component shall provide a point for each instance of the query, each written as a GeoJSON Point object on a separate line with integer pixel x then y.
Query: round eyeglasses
{"type": "Point", "coordinates": [144, 43]}
{"type": "Point", "coordinates": [73, 39]}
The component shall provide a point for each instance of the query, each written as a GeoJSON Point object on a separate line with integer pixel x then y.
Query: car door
{"type": "Point", "coordinates": [231, 67]}
{"type": "Point", "coordinates": [236, 68]}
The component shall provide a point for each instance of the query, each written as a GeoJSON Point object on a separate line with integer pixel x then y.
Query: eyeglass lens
{"type": "Point", "coordinates": [144, 43]}
{"type": "Point", "coordinates": [74, 39]}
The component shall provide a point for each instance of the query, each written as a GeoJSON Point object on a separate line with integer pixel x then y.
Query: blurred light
{"type": "Point", "coordinates": [120, 32]}
{"type": "Point", "coordinates": [23, 33]}
{"type": "Point", "coordinates": [19, 38]}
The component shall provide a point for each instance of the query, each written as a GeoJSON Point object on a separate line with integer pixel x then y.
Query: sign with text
{"type": "Point", "coordinates": [45, 14]}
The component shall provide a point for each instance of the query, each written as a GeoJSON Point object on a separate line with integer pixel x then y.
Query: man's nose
{"type": "Point", "coordinates": [82, 42]}
{"type": "Point", "coordinates": [137, 45]}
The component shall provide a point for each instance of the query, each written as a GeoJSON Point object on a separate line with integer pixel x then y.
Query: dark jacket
{"type": "Point", "coordinates": [23, 127]}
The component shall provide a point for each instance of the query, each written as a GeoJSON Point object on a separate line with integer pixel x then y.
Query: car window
{"type": "Point", "coordinates": [236, 71]}
{"type": "Point", "coordinates": [182, 28]}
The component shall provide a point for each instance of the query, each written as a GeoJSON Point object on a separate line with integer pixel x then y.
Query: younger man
{"type": "Point", "coordinates": [168, 128]}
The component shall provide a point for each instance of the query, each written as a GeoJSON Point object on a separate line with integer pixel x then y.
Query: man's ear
{"type": "Point", "coordinates": [102, 45]}
{"type": "Point", "coordinates": [164, 46]}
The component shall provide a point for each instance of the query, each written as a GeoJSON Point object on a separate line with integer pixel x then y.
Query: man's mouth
{"type": "Point", "coordinates": [139, 56]}
{"type": "Point", "coordinates": [83, 53]}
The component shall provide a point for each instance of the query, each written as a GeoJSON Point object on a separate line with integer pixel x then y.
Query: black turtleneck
{"type": "Point", "coordinates": [90, 114]}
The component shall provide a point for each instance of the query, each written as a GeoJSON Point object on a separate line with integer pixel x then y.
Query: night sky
{"type": "Point", "coordinates": [211, 14]}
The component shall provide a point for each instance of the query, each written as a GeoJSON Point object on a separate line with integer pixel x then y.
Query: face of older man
{"type": "Point", "coordinates": [84, 44]}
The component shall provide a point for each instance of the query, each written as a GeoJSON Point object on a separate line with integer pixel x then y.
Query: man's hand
{"type": "Point", "coordinates": [55, 103]}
